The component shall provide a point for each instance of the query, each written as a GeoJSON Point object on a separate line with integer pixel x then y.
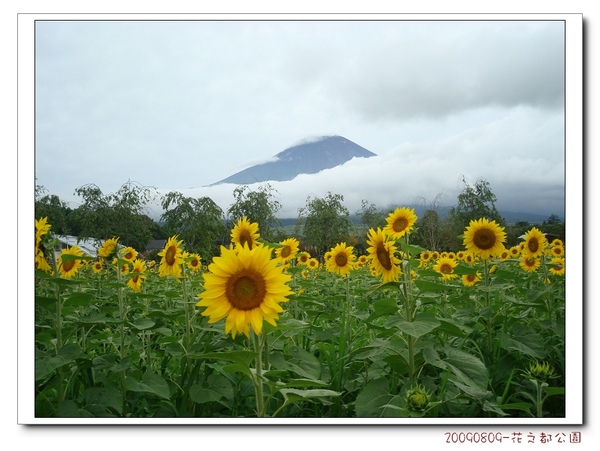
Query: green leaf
{"type": "Point", "coordinates": [291, 395]}
{"type": "Point", "coordinates": [243, 358]}
{"type": "Point", "coordinates": [151, 383]}
{"type": "Point", "coordinates": [383, 307]}
{"type": "Point", "coordinates": [533, 348]}
{"type": "Point", "coordinates": [143, 323]}
{"type": "Point", "coordinates": [468, 373]}
{"type": "Point", "coordinates": [298, 361]}
{"type": "Point", "coordinates": [79, 298]}
{"type": "Point", "coordinates": [371, 400]}
{"type": "Point", "coordinates": [46, 365]}
{"type": "Point", "coordinates": [104, 396]}
{"type": "Point", "coordinates": [425, 286]}
{"type": "Point", "coordinates": [422, 325]}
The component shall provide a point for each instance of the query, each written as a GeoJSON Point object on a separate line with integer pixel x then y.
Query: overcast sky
{"type": "Point", "coordinates": [181, 105]}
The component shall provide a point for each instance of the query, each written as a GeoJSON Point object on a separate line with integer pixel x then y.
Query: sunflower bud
{"type": "Point", "coordinates": [417, 398]}
{"type": "Point", "coordinates": [541, 371]}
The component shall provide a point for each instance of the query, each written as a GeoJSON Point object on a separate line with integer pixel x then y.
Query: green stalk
{"type": "Point", "coordinates": [122, 315]}
{"type": "Point", "coordinates": [486, 271]}
{"type": "Point", "coordinates": [409, 315]}
{"type": "Point", "coordinates": [258, 382]}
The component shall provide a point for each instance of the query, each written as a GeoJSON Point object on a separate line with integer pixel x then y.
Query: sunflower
{"type": "Point", "coordinates": [245, 233]}
{"type": "Point", "coordinates": [556, 251]}
{"type": "Point", "coordinates": [303, 258]}
{"type": "Point", "coordinates": [382, 255]}
{"type": "Point", "coordinates": [288, 250]}
{"type": "Point", "coordinates": [514, 251]}
{"type": "Point", "coordinates": [108, 248]}
{"type": "Point", "coordinates": [128, 254]}
{"type": "Point", "coordinates": [245, 286]}
{"type": "Point", "coordinates": [194, 262]}
{"type": "Point", "coordinates": [41, 262]}
{"type": "Point", "coordinates": [504, 255]}
{"type": "Point", "coordinates": [535, 243]}
{"type": "Point", "coordinates": [470, 280]}
{"type": "Point", "coordinates": [69, 266]}
{"type": "Point", "coordinates": [312, 263]}
{"type": "Point", "coordinates": [400, 222]}
{"type": "Point", "coordinates": [124, 269]}
{"type": "Point", "coordinates": [557, 266]}
{"type": "Point", "coordinates": [484, 238]}
{"type": "Point", "coordinates": [137, 275]}
{"type": "Point", "coordinates": [469, 258]}
{"type": "Point", "coordinates": [529, 264]}
{"type": "Point", "coordinates": [445, 266]}
{"type": "Point", "coordinates": [41, 228]}
{"type": "Point", "coordinates": [342, 259]}
{"type": "Point", "coordinates": [424, 259]}
{"type": "Point", "coordinates": [172, 258]}
{"type": "Point", "coordinates": [97, 266]}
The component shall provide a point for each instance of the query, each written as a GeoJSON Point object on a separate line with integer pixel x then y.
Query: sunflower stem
{"type": "Point", "coordinates": [258, 382]}
{"type": "Point", "coordinates": [122, 315]}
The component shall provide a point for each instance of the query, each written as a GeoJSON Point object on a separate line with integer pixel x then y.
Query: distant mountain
{"type": "Point", "coordinates": [308, 157]}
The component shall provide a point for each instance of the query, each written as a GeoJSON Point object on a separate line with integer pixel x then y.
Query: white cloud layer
{"type": "Point", "coordinates": [180, 105]}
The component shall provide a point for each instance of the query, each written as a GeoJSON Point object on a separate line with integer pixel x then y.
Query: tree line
{"type": "Point", "coordinates": [321, 224]}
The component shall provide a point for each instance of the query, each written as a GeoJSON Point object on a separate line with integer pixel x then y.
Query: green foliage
{"type": "Point", "coordinates": [474, 202]}
{"type": "Point", "coordinates": [325, 222]}
{"type": "Point", "coordinates": [121, 214]}
{"type": "Point", "coordinates": [258, 206]}
{"type": "Point", "coordinates": [198, 222]}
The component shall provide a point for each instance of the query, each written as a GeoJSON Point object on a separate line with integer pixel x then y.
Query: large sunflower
{"type": "Point", "coordinates": [288, 250]}
{"type": "Point", "coordinates": [341, 260]}
{"type": "Point", "coordinates": [484, 238]}
{"type": "Point", "coordinates": [535, 243]}
{"type": "Point", "coordinates": [400, 222]}
{"type": "Point", "coordinates": [382, 254]}
{"type": "Point", "coordinates": [137, 272]}
{"type": "Point", "coordinates": [245, 233]}
{"type": "Point", "coordinates": [69, 266]}
{"type": "Point", "coordinates": [245, 286]}
{"type": "Point", "coordinates": [172, 258]}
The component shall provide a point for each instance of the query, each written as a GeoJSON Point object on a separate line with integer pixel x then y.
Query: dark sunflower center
{"type": "Point", "coordinates": [341, 259]}
{"type": "Point", "coordinates": [484, 239]}
{"type": "Point", "coordinates": [170, 255]}
{"type": "Point", "coordinates": [246, 238]}
{"type": "Point", "coordinates": [384, 258]}
{"type": "Point", "coordinates": [533, 245]}
{"type": "Point", "coordinates": [194, 262]}
{"type": "Point", "coordinates": [135, 279]}
{"type": "Point", "coordinates": [128, 255]}
{"type": "Point", "coordinates": [246, 290]}
{"type": "Point", "coordinates": [446, 269]}
{"type": "Point", "coordinates": [68, 266]}
{"type": "Point", "coordinates": [471, 277]}
{"type": "Point", "coordinates": [399, 224]}
{"type": "Point", "coordinates": [285, 251]}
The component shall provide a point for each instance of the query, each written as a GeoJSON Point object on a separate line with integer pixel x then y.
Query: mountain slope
{"type": "Point", "coordinates": [308, 157]}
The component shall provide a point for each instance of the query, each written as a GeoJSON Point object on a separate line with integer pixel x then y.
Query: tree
{"type": "Point", "coordinates": [258, 206]}
{"type": "Point", "coordinates": [121, 214]}
{"type": "Point", "coordinates": [474, 202]}
{"type": "Point", "coordinates": [370, 216]}
{"type": "Point", "coordinates": [198, 222]}
{"type": "Point", "coordinates": [326, 222]}
{"type": "Point", "coordinates": [50, 206]}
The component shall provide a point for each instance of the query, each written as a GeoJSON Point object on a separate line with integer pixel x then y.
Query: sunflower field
{"type": "Point", "coordinates": [267, 330]}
